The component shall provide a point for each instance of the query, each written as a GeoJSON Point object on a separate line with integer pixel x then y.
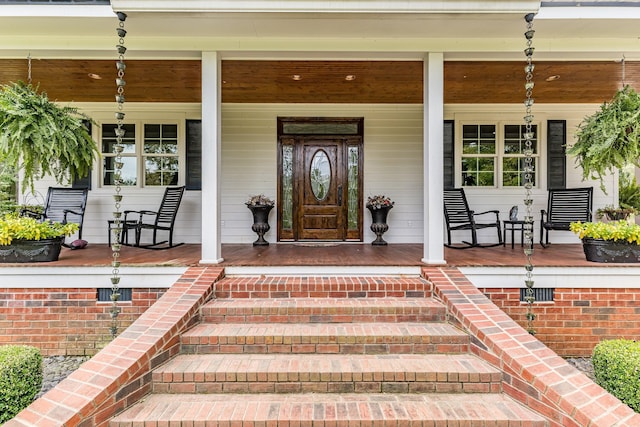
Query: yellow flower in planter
{"type": "Point", "coordinates": [13, 227]}
{"type": "Point", "coordinates": [612, 231]}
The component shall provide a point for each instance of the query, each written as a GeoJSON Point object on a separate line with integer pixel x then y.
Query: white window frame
{"type": "Point", "coordinates": [499, 155]}
{"type": "Point", "coordinates": [139, 152]}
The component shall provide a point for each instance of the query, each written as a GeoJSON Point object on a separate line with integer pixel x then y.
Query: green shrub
{"type": "Point", "coordinates": [20, 378]}
{"type": "Point", "coordinates": [617, 370]}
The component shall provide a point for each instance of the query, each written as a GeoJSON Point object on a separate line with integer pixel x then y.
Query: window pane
{"type": "Point", "coordinates": [514, 139]}
{"type": "Point", "coordinates": [287, 187]}
{"type": "Point", "coordinates": [160, 139]}
{"type": "Point", "coordinates": [470, 131]}
{"type": "Point", "coordinates": [161, 171]}
{"type": "Point", "coordinates": [487, 147]}
{"type": "Point", "coordinates": [470, 147]}
{"type": "Point", "coordinates": [513, 172]}
{"type": "Point", "coordinates": [478, 171]}
{"type": "Point", "coordinates": [128, 139]}
{"type": "Point", "coordinates": [488, 131]}
{"type": "Point", "coordinates": [128, 172]}
{"type": "Point", "coordinates": [320, 175]}
{"type": "Point", "coordinates": [352, 191]}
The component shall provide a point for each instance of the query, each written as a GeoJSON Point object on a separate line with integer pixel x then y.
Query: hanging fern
{"type": "Point", "coordinates": [609, 139]}
{"type": "Point", "coordinates": [43, 138]}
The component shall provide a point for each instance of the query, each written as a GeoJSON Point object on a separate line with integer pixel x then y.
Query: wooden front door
{"type": "Point", "coordinates": [320, 179]}
{"type": "Point", "coordinates": [321, 213]}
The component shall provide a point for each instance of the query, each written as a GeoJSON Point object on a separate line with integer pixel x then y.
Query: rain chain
{"type": "Point", "coordinates": [529, 136]}
{"type": "Point", "coordinates": [117, 176]}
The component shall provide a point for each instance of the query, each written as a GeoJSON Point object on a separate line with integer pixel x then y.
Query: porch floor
{"type": "Point", "coordinates": [302, 254]}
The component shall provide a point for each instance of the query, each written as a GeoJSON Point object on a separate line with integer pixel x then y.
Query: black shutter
{"type": "Point", "coordinates": [85, 181]}
{"type": "Point", "coordinates": [193, 179]}
{"type": "Point", "coordinates": [556, 154]}
{"type": "Point", "coordinates": [449, 154]}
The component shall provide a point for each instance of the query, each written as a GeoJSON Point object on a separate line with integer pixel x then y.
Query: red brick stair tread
{"type": "Point", "coordinates": [271, 367]}
{"type": "Point", "coordinates": [323, 309]}
{"type": "Point", "coordinates": [361, 332]}
{"type": "Point", "coordinates": [352, 409]}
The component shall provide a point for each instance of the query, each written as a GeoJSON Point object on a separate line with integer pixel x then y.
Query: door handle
{"type": "Point", "coordinates": [339, 195]}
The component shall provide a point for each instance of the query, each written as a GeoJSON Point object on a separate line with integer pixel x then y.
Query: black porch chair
{"type": "Point", "coordinates": [458, 216]}
{"type": "Point", "coordinates": [63, 204]}
{"type": "Point", "coordinates": [161, 220]}
{"type": "Point", "coordinates": [564, 206]}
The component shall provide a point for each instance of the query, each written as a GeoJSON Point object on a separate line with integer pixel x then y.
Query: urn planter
{"type": "Point", "coordinates": [260, 222]}
{"type": "Point", "coordinates": [23, 251]}
{"type": "Point", "coordinates": [610, 251]}
{"type": "Point", "coordinates": [379, 223]}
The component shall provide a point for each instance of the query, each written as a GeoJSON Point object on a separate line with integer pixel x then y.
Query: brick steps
{"type": "Point", "coordinates": [326, 351]}
{"type": "Point", "coordinates": [323, 310]}
{"type": "Point", "coordinates": [343, 338]}
{"type": "Point", "coordinates": [328, 410]}
{"type": "Point", "coordinates": [288, 373]}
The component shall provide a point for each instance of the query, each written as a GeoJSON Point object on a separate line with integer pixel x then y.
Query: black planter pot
{"type": "Point", "coordinates": [379, 223]}
{"type": "Point", "coordinates": [21, 251]}
{"type": "Point", "coordinates": [598, 250]}
{"type": "Point", "coordinates": [260, 222]}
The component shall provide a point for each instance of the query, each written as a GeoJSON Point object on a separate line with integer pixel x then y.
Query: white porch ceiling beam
{"type": "Point", "coordinates": [369, 6]}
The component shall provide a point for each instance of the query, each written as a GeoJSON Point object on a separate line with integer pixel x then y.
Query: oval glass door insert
{"type": "Point", "coordinates": [320, 175]}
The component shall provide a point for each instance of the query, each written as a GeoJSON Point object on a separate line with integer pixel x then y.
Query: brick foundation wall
{"type": "Point", "coordinates": [66, 321]}
{"type": "Point", "coordinates": [70, 321]}
{"type": "Point", "coordinates": [577, 319]}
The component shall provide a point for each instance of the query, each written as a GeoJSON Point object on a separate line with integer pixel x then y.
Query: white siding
{"type": "Point", "coordinates": [392, 163]}
{"type": "Point", "coordinates": [392, 166]}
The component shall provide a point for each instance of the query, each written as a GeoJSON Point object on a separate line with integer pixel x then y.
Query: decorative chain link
{"type": "Point", "coordinates": [117, 176]}
{"type": "Point", "coordinates": [529, 136]}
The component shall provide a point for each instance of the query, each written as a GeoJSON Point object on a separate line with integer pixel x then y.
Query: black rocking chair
{"type": "Point", "coordinates": [564, 206]}
{"type": "Point", "coordinates": [64, 205]}
{"type": "Point", "coordinates": [458, 216]}
{"type": "Point", "coordinates": [161, 220]}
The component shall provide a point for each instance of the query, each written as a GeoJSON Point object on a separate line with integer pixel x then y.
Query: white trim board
{"type": "Point", "coordinates": [611, 277]}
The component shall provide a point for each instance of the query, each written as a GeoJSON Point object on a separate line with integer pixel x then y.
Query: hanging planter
{"type": "Point", "coordinates": [43, 138]}
{"type": "Point", "coordinates": [609, 140]}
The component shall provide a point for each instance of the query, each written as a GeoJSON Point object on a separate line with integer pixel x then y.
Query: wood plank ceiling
{"type": "Point", "coordinates": [472, 82]}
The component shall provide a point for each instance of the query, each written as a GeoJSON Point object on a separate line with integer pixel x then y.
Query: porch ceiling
{"type": "Point", "coordinates": [250, 81]}
{"type": "Point", "coordinates": [371, 29]}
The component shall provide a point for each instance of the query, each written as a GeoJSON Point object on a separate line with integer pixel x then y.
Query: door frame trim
{"type": "Point", "coordinates": [354, 137]}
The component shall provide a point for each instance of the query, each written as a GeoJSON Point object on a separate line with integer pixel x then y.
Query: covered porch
{"type": "Point", "coordinates": [323, 254]}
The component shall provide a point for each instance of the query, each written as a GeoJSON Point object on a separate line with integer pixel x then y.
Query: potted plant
{"type": "Point", "coordinates": [614, 242]}
{"type": "Point", "coordinates": [260, 206]}
{"type": "Point", "coordinates": [25, 239]}
{"type": "Point", "coordinates": [43, 138]}
{"type": "Point", "coordinates": [379, 206]}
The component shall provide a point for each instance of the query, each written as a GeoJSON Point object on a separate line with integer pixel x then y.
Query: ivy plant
{"type": "Point", "coordinates": [42, 137]}
{"type": "Point", "coordinates": [609, 139]}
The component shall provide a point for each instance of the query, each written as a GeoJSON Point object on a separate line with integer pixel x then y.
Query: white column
{"type": "Point", "coordinates": [433, 251]}
{"type": "Point", "coordinates": [211, 158]}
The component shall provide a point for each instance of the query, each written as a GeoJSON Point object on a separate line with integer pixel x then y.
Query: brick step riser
{"type": "Point", "coordinates": [326, 387]}
{"type": "Point", "coordinates": [220, 316]}
{"type": "Point", "coordinates": [318, 293]}
{"type": "Point", "coordinates": [329, 348]}
{"type": "Point", "coordinates": [319, 287]}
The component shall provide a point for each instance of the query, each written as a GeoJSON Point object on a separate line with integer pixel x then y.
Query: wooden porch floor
{"type": "Point", "coordinates": [560, 255]}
